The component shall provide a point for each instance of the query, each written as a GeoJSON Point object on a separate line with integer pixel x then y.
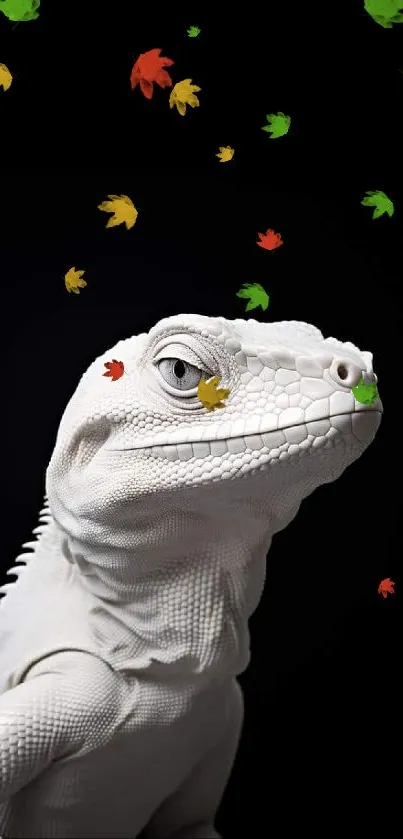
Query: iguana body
{"type": "Point", "coordinates": [121, 639]}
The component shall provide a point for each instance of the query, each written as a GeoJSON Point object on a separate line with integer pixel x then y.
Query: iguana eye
{"type": "Point", "coordinates": [179, 374]}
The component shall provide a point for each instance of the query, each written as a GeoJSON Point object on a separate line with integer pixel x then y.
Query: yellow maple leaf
{"type": "Point", "coordinates": [225, 154]}
{"type": "Point", "coordinates": [5, 77]}
{"type": "Point", "coordinates": [210, 395]}
{"type": "Point", "coordinates": [73, 280]}
{"type": "Point", "coordinates": [122, 207]}
{"type": "Point", "coordinates": [183, 93]}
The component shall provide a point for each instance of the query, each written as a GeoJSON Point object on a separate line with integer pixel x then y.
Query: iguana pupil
{"type": "Point", "coordinates": [179, 368]}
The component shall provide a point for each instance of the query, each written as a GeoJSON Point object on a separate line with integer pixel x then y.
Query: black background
{"type": "Point", "coordinates": [321, 735]}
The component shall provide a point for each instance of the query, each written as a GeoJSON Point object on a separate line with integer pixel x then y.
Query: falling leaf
{"type": "Point", "coordinates": [184, 94]}
{"type": "Point", "coordinates": [386, 587]}
{"type": "Point", "coordinates": [225, 154]}
{"type": "Point", "coordinates": [123, 209]}
{"type": "Point", "coordinates": [380, 201]}
{"type": "Point", "coordinates": [270, 240]}
{"type": "Point", "coordinates": [73, 280]}
{"type": "Point", "coordinates": [147, 69]}
{"type": "Point", "coordinates": [5, 77]}
{"type": "Point", "coordinates": [115, 369]}
{"type": "Point", "coordinates": [385, 12]}
{"type": "Point", "coordinates": [21, 10]}
{"type": "Point", "coordinates": [365, 393]}
{"type": "Point", "coordinates": [278, 125]}
{"type": "Point", "coordinates": [256, 294]}
{"type": "Point", "coordinates": [193, 31]}
{"type": "Point", "coordinates": [210, 395]}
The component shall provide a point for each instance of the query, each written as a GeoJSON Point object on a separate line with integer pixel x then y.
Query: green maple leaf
{"type": "Point", "coordinates": [193, 31]}
{"type": "Point", "coordinates": [380, 201]}
{"type": "Point", "coordinates": [278, 125]}
{"type": "Point", "coordinates": [385, 12]}
{"type": "Point", "coordinates": [256, 294]}
{"type": "Point", "coordinates": [21, 10]}
{"type": "Point", "coordinates": [366, 394]}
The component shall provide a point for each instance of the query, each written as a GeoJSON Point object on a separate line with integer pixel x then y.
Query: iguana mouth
{"type": "Point", "coordinates": [324, 431]}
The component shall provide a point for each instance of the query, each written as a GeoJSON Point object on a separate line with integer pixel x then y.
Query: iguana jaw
{"type": "Point", "coordinates": [271, 443]}
{"type": "Point", "coordinates": [226, 510]}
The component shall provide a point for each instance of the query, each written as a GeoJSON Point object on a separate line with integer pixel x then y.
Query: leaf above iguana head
{"type": "Point", "coordinates": [270, 240]}
{"type": "Point", "coordinates": [386, 587]}
{"type": "Point", "coordinates": [123, 209]}
{"type": "Point", "coordinates": [380, 201]}
{"type": "Point", "coordinates": [73, 280]}
{"type": "Point", "coordinates": [256, 294]}
{"type": "Point", "coordinates": [225, 154]}
{"type": "Point", "coordinates": [385, 12]}
{"type": "Point", "coordinates": [278, 125]}
{"type": "Point", "coordinates": [149, 68]}
{"type": "Point", "coordinates": [182, 94]}
{"type": "Point", "coordinates": [5, 77]}
{"type": "Point", "coordinates": [20, 10]}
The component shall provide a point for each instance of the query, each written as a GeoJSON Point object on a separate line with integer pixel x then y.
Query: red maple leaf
{"type": "Point", "coordinates": [115, 369]}
{"type": "Point", "coordinates": [386, 587]}
{"type": "Point", "coordinates": [148, 69]}
{"type": "Point", "coordinates": [270, 240]}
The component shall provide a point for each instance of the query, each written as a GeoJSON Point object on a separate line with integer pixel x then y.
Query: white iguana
{"type": "Point", "coordinates": [121, 639]}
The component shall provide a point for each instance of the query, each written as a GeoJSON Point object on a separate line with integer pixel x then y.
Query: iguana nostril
{"type": "Point", "coordinates": [345, 372]}
{"type": "Point", "coordinates": [342, 371]}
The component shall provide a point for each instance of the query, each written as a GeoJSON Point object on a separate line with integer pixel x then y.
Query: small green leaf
{"type": "Point", "coordinates": [20, 10]}
{"type": "Point", "coordinates": [279, 125]}
{"type": "Point", "coordinates": [193, 31]}
{"type": "Point", "coordinates": [385, 12]}
{"type": "Point", "coordinates": [256, 294]}
{"type": "Point", "coordinates": [380, 201]}
{"type": "Point", "coordinates": [365, 393]}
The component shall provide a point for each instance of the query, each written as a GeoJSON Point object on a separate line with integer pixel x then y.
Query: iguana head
{"type": "Point", "coordinates": [133, 452]}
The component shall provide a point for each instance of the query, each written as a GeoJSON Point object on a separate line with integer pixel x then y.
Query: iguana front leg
{"type": "Point", "coordinates": [59, 709]}
{"type": "Point", "coordinates": [190, 812]}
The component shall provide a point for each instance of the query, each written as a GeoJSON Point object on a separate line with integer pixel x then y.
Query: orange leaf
{"type": "Point", "coordinates": [270, 240]}
{"type": "Point", "coordinates": [115, 369]}
{"type": "Point", "coordinates": [148, 69]}
{"type": "Point", "coordinates": [386, 587]}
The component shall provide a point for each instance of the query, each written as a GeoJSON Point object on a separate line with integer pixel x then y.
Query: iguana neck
{"type": "Point", "coordinates": [153, 536]}
{"type": "Point", "coordinates": [185, 582]}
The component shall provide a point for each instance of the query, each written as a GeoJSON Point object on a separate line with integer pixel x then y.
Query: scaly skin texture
{"type": "Point", "coordinates": [121, 639]}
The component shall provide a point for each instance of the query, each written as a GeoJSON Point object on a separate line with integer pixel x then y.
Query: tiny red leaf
{"type": "Point", "coordinates": [115, 369]}
{"type": "Point", "coordinates": [270, 240]}
{"type": "Point", "coordinates": [386, 587]}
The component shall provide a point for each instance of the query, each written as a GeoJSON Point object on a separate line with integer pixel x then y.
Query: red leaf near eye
{"type": "Point", "coordinates": [115, 369]}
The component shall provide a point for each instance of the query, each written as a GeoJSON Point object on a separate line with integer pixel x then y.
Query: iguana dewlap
{"type": "Point", "coordinates": [121, 639]}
